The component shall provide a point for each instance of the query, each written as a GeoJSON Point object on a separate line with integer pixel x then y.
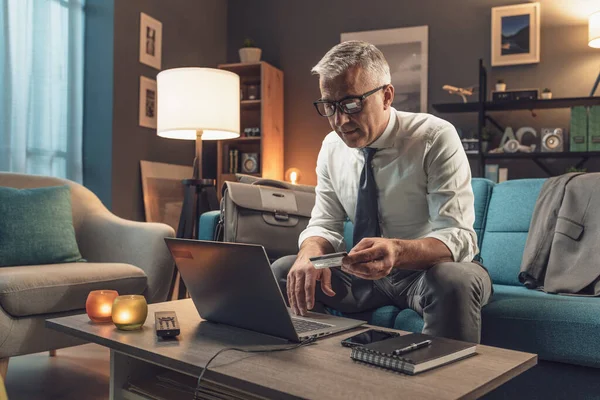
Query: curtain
{"type": "Point", "coordinates": [41, 91]}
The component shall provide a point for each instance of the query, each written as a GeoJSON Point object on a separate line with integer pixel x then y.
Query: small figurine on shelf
{"type": "Point", "coordinates": [546, 94]}
{"type": "Point", "coordinates": [500, 85]}
{"type": "Point", "coordinates": [249, 53]}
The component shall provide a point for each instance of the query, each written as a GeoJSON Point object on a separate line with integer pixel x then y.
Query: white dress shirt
{"type": "Point", "coordinates": [423, 179]}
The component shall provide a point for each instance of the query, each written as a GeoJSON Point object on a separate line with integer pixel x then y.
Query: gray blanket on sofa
{"type": "Point", "coordinates": [561, 253]}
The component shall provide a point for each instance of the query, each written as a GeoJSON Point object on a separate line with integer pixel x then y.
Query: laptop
{"type": "Point", "coordinates": [232, 283]}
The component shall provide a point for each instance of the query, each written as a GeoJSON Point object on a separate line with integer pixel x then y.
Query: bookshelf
{"type": "Point", "coordinates": [483, 109]}
{"type": "Point", "coordinates": [265, 113]}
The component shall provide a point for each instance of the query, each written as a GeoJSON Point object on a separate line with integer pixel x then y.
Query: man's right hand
{"type": "Point", "coordinates": [301, 283]}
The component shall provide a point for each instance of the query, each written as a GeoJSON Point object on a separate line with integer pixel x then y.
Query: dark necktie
{"type": "Point", "coordinates": [366, 220]}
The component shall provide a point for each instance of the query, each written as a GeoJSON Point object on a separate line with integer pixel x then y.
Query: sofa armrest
{"type": "Point", "coordinates": [207, 225]}
{"type": "Point", "coordinates": [105, 237]}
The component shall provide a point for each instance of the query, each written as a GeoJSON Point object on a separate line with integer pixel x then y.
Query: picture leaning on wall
{"type": "Point", "coordinates": [407, 52]}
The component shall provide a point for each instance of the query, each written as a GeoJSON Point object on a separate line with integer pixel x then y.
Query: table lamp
{"type": "Point", "coordinates": [197, 104]}
{"type": "Point", "coordinates": [594, 40]}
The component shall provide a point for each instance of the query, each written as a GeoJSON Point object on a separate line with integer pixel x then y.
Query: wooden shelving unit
{"type": "Point", "coordinates": [517, 105]}
{"type": "Point", "coordinates": [265, 113]}
{"type": "Point", "coordinates": [483, 107]}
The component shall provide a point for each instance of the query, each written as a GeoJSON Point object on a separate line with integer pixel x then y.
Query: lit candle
{"type": "Point", "coordinates": [129, 312]}
{"type": "Point", "coordinates": [98, 305]}
{"type": "Point", "coordinates": [293, 175]}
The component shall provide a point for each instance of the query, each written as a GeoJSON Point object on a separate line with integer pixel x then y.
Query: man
{"type": "Point", "coordinates": [405, 182]}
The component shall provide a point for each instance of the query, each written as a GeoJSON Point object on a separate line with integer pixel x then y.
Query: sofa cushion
{"type": "Point", "coordinates": [506, 228]}
{"type": "Point", "coordinates": [208, 224]}
{"type": "Point", "coordinates": [482, 190]}
{"type": "Point", "coordinates": [36, 226]}
{"type": "Point", "coordinates": [557, 328]}
{"type": "Point", "coordinates": [408, 320]}
{"type": "Point", "coordinates": [43, 289]}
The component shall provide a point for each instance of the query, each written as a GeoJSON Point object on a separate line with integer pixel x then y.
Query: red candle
{"type": "Point", "coordinates": [99, 305]}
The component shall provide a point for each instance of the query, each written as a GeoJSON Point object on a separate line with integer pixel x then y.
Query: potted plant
{"type": "Point", "coordinates": [546, 94]}
{"type": "Point", "coordinates": [486, 138]}
{"type": "Point", "coordinates": [500, 85]}
{"type": "Point", "coordinates": [249, 53]}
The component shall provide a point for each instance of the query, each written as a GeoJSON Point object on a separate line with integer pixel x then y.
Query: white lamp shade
{"type": "Point", "coordinates": [198, 99]}
{"type": "Point", "coordinates": [594, 30]}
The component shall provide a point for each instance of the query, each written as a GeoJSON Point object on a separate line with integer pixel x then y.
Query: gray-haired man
{"type": "Point", "coordinates": [405, 182]}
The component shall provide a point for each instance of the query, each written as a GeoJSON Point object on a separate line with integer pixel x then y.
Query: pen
{"type": "Point", "coordinates": [412, 347]}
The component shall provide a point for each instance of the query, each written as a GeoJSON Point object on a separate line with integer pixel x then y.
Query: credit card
{"type": "Point", "coordinates": [328, 260]}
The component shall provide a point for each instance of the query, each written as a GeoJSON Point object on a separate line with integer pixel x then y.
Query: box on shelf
{"type": "Point", "coordinates": [511, 95]}
{"type": "Point", "coordinates": [491, 172]}
{"type": "Point", "coordinates": [252, 132]}
{"type": "Point", "coordinates": [502, 175]}
{"type": "Point", "coordinates": [594, 128]}
{"type": "Point", "coordinates": [471, 146]}
{"type": "Point", "coordinates": [578, 128]}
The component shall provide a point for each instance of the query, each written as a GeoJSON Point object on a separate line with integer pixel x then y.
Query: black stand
{"type": "Point", "coordinates": [200, 196]}
{"type": "Point", "coordinates": [595, 85]}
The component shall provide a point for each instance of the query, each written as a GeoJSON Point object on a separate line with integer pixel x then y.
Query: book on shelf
{"type": "Point", "coordinates": [441, 351]}
{"type": "Point", "coordinates": [233, 161]}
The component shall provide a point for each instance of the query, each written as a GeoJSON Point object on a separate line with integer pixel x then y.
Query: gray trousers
{"type": "Point", "coordinates": [448, 296]}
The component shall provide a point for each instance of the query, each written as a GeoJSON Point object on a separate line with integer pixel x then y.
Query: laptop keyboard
{"type": "Point", "coordinates": [303, 325]}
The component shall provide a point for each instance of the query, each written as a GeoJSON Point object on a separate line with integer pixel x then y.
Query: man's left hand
{"type": "Point", "coordinates": [372, 258]}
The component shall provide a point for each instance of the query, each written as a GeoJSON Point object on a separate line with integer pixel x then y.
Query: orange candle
{"type": "Point", "coordinates": [129, 312]}
{"type": "Point", "coordinates": [98, 305]}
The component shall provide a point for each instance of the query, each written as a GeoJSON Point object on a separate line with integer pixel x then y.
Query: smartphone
{"type": "Point", "coordinates": [370, 336]}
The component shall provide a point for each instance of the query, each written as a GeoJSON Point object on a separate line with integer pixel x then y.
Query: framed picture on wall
{"type": "Point", "coordinates": [147, 102]}
{"type": "Point", "coordinates": [516, 34]}
{"type": "Point", "coordinates": [150, 41]}
{"type": "Point", "coordinates": [407, 52]}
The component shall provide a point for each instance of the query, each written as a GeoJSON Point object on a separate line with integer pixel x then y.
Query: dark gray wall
{"type": "Point", "coordinates": [194, 34]}
{"type": "Point", "coordinates": [98, 98]}
{"type": "Point", "coordinates": [294, 35]}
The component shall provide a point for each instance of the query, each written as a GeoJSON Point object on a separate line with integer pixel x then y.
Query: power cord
{"type": "Point", "coordinates": [305, 342]}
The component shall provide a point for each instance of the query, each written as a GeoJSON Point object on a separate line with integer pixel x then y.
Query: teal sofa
{"type": "Point", "coordinates": [563, 330]}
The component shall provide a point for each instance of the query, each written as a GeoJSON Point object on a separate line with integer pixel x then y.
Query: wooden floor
{"type": "Point", "coordinates": [75, 373]}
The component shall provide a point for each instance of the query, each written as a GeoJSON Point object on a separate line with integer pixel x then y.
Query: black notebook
{"type": "Point", "coordinates": [441, 351]}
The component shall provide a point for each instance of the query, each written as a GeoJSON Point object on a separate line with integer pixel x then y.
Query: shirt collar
{"type": "Point", "coordinates": [387, 139]}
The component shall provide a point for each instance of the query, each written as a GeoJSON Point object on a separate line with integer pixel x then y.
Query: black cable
{"type": "Point", "coordinates": [306, 342]}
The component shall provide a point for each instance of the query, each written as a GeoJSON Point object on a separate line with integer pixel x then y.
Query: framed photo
{"type": "Point", "coordinates": [516, 34]}
{"type": "Point", "coordinates": [163, 191]}
{"type": "Point", "coordinates": [150, 41]}
{"type": "Point", "coordinates": [407, 53]}
{"type": "Point", "coordinates": [147, 102]}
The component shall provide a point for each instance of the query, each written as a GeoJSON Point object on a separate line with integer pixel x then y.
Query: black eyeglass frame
{"type": "Point", "coordinates": [338, 105]}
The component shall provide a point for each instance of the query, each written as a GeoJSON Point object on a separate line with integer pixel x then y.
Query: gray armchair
{"type": "Point", "coordinates": [127, 256]}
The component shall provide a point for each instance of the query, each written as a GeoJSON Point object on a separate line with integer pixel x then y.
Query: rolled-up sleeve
{"type": "Point", "coordinates": [450, 195]}
{"type": "Point", "coordinates": [328, 215]}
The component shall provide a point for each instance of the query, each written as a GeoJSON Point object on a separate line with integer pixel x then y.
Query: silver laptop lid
{"type": "Point", "coordinates": [233, 284]}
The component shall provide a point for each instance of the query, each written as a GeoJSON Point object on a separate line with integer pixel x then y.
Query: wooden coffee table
{"type": "Point", "coordinates": [321, 371]}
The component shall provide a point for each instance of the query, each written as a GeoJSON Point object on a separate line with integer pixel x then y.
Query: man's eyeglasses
{"type": "Point", "coordinates": [348, 105]}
